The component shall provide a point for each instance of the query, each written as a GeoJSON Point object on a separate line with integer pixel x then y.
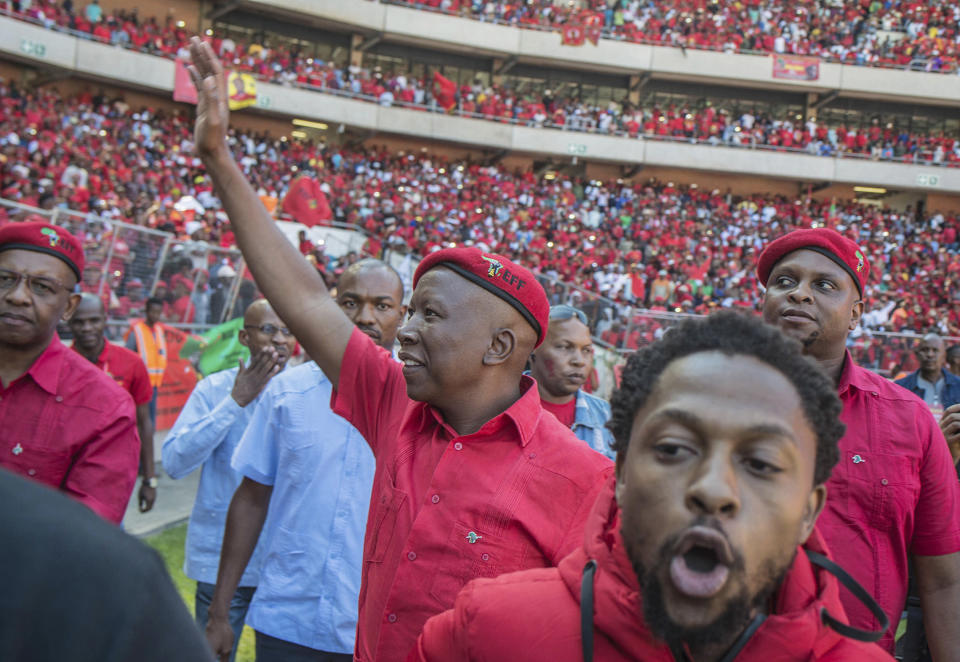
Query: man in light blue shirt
{"type": "Point", "coordinates": [206, 434]}
{"type": "Point", "coordinates": [307, 476]}
{"type": "Point", "coordinates": [561, 365]}
{"type": "Point", "coordinates": [94, 12]}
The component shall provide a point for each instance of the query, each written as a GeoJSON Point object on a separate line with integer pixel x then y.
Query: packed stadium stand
{"type": "Point", "coordinates": [634, 235]}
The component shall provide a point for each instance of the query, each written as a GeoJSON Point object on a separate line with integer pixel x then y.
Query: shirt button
{"type": "Point", "coordinates": [435, 498]}
{"type": "Point", "coordinates": [485, 556]}
{"type": "Point", "coordinates": [412, 556]}
{"type": "Point", "coordinates": [458, 446]}
{"type": "Point", "coordinates": [32, 472]}
{"type": "Point", "coordinates": [883, 482]}
{"type": "Point", "coordinates": [875, 394]}
{"type": "Point", "coordinates": [392, 618]}
{"type": "Point", "coordinates": [532, 455]}
{"type": "Point", "coordinates": [59, 398]}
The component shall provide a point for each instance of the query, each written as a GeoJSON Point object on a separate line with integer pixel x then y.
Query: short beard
{"type": "Point", "coordinates": [809, 340]}
{"type": "Point", "coordinates": [737, 612]}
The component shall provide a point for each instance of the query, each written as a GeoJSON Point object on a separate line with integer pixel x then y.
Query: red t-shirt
{"type": "Point", "coordinates": [566, 413]}
{"type": "Point", "coordinates": [893, 493]}
{"type": "Point", "coordinates": [127, 370]}
{"type": "Point", "coordinates": [66, 424]}
{"type": "Point", "coordinates": [446, 509]}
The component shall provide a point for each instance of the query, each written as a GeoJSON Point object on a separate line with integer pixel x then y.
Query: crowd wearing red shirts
{"type": "Point", "coordinates": [656, 244]}
{"type": "Point", "coordinates": [895, 33]}
{"type": "Point", "coordinates": [901, 33]}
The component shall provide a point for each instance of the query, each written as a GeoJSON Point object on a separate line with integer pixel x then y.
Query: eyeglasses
{"type": "Point", "coordinates": [564, 312]}
{"type": "Point", "coordinates": [270, 329]}
{"type": "Point", "coordinates": [40, 286]}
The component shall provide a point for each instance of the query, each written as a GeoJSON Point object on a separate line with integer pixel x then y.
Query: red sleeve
{"type": "Point", "coordinates": [140, 387]}
{"type": "Point", "coordinates": [371, 394]}
{"type": "Point", "coordinates": [104, 471]}
{"type": "Point", "coordinates": [936, 529]}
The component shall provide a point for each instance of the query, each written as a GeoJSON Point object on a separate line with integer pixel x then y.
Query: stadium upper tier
{"type": "Point", "coordinates": [654, 244]}
{"type": "Point", "coordinates": [904, 34]}
{"type": "Point", "coordinates": [674, 135]}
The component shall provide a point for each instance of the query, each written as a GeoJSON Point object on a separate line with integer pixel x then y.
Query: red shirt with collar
{"type": "Point", "coordinates": [127, 369]}
{"type": "Point", "coordinates": [68, 425]}
{"type": "Point", "coordinates": [894, 493]}
{"type": "Point", "coordinates": [446, 509]}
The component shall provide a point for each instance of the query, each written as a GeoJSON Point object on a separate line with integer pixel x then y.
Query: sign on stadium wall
{"type": "Point", "coordinates": [796, 67]}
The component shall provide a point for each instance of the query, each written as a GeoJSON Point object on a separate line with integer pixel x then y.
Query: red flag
{"type": "Point", "coordinates": [306, 202]}
{"type": "Point", "coordinates": [183, 89]}
{"type": "Point", "coordinates": [573, 35]}
{"type": "Point", "coordinates": [593, 35]}
{"type": "Point", "coordinates": [445, 91]}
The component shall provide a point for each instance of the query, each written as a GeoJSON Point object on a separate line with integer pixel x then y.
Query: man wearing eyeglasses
{"type": "Point", "coordinates": [65, 422]}
{"type": "Point", "coordinates": [561, 366]}
{"type": "Point", "coordinates": [205, 435]}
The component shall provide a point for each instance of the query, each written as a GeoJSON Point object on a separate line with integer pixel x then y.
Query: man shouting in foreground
{"type": "Point", "coordinates": [703, 549]}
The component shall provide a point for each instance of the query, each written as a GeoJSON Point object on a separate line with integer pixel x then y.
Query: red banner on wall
{"type": "Point", "coordinates": [183, 89]}
{"type": "Point", "coordinates": [796, 67]}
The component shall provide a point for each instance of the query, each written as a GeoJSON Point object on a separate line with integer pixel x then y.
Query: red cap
{"type": "Point", "coordinates": [44, 238]}
{"type": "Point", "coordinates": [514, 284]}
{"type": "Point", "coordinates": [828, 243]}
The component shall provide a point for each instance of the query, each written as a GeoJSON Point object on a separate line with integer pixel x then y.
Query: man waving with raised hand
{"type": "Point", "coordinates": [473, 478]}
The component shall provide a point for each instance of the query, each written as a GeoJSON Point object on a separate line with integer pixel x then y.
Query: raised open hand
{"type": "Point", "coordinates": [213, 111]}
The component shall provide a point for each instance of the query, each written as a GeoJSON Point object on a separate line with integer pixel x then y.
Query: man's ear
{"type": "Point", "coordinates": [72, 302]}
{"type": "Point", "coordinates": [243, 337]}
{"type": "Point", "coordinates": [815, 504]}
{"type": "Point", "coordinates": [855, 314]}
{"type": "Point", "coordinates": [502, 345]}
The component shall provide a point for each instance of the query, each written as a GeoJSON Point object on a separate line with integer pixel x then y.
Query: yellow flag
{"type": "Point", "coordinates": [242, 89]}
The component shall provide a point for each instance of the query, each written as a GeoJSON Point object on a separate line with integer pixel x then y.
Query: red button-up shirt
{"type": "Point", "coordinates": [127, 369]}
{"type": "Point", "coordinates": [893, 493]}
{"type": "Point", "coordinates": [68, 425]}
{"type": "Point", "coordinates": [447, 508]}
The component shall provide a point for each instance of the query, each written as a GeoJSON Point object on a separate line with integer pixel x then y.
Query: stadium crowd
{"type": "Point", "coordinates": [434, 483]}
{"type": "Point", "coordinates": [894, 33]}
{"type": "Point", "coordinates": [652, 243]}
{"type": "Point", "coordinates": [897, 33]}
{"type": "Point", "coordinates": [739, 125]}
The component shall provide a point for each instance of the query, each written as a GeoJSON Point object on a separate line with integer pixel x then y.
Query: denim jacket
{"type": "Point", "coordinates": [590, 423]}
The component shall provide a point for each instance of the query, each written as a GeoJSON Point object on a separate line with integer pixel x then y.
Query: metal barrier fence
{"type": "Point", "coordinates": [126, 264]}
{"type": "Point", "coordinates": [202, 284]}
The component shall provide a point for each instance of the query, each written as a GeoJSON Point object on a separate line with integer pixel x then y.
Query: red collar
{"type": "Point", "coordinates": [45, 370]}
{"type": "Point", "coordinates": [524, 415]}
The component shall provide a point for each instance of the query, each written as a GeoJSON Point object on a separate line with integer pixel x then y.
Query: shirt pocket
{"type": "Point", "coordinates": [881, 488]}
{"type": "Point", "coordinates": [384, 523]}
{"type": "Point", "coordinates": [472, 552]}
{"type": "Point", "coordinates": [286, 569]}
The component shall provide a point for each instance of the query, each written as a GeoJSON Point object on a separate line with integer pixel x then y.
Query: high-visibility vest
{"type": "Point", "coordinates": [152, 347]}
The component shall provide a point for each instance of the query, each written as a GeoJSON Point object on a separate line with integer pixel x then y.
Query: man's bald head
{"type": "Point", "coordinates": [369, 266]}
{"type": "Point", "coordinates": [87, 325]}
{"type": "Point", "coordinates": [263, 328]}
{"type": "Point", "coordinates": [931, 352]}
{"type": "Point", "coordinates": [90, 303]}
{"type": "Point", "coordinates": [256, 311]}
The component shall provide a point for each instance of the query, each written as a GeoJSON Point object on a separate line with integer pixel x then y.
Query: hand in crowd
{"type": "Point", "coordinates": [252, 379]}
{"type": "Point", "coordinates": [219, 637]}
{"type": "Point", "coordinates": [213, 113]}
{"type": "Point", "coordinates": [146, 497]}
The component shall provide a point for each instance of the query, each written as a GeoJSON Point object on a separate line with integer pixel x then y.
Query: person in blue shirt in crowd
{"type": "Point", "coordinates": [307, 477]}
{"type": "Point", "coordinates": [206, 434]}
{"type": "Point", "coordinates": [939, 388]}
{"type": "Point", "coordinates": [561, 366]}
